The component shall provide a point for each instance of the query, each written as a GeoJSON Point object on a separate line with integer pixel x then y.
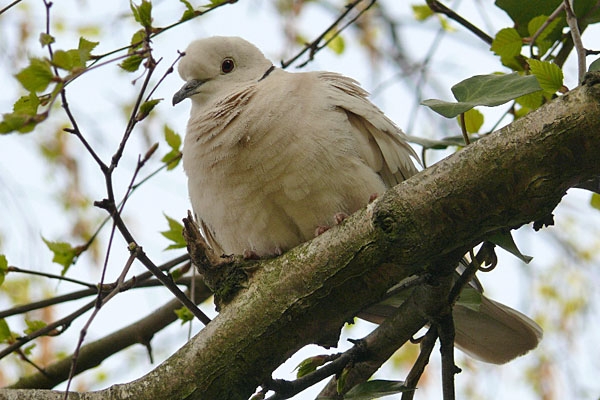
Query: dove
{"type": "Point", "coordinates": [272, 156]}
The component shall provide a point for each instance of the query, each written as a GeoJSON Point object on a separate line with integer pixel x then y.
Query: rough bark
{"type": "Point", "coordinates": [510, 178]}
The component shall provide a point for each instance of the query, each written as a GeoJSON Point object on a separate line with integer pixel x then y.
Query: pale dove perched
{"type": "Point", "coordinates": [271, 156]}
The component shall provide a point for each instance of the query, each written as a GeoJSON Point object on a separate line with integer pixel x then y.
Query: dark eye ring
{"type": "Point", "coordinates": [227, 65]}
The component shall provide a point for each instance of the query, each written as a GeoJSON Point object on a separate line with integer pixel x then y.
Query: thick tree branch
{"type": "Point", "coordinates": [505, 180]}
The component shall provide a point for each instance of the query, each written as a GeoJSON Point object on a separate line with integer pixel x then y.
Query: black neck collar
{"type": "Point", "coordinates": [271, 68]}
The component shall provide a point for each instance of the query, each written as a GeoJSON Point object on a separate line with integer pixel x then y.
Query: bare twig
{"type": "Point", "coordinates": [438, 7]}
{"type": "Point", "coordinates": [132, 283]}
{"type": "Point", "coordinates": [12, 268]}
{"type": "Point", "coordinates": [14, 3]}
{"type": "Point", "coordinates": [427, 343]}
{"type": "Point", "coordinates": [162, 78]}
{"type": "Point", "coordinates": [547, 22]}
{"type": "Point", "coordinates": [463, 129]}
{"type": "Point", "coordinates": [52, 328]}
{"type": "Point", "coordinates": [92, 354]}
{"type": "Point", "coordinates": [157, 31]}
{"type": "Point", "coordinates": [145, 260]}
{"type": "Point", "coordinates": [337, 362]}
{"type": "Point", "coordinates": [576, 35]}
{"type": "Point", "coordinates": [163, 166]}
{"type": "Point", "coordinates": [99, 303]}
{"type": "Point", "coordinates": [314, 46]}
{"type": "Point", "coordinates": [109, 203]}
{"type": "Point", "coordinates": [446, 333]}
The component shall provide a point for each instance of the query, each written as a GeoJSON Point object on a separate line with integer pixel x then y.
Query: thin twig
{"type": "Point", "coordinates": [14, 3]}
{"type": "Point", "coordinates": [150, 66]}
{"type": "Point", "coordinates": [157, 31]}
{"type": "Point", "coordinates": [99, 304]}
{"type": "Point", "coordinates": [93, 353]}
{"type": "Point", "coordinates": [438, 7]}
{"type": "Point", "coordinates": [162, 78]}
{"type": "Point", "coordinates": [12, 268]}
{"type": "Point", "coordinates": [138, 281]}
{"type": "Point", "coordinates": [576, 35]}
{"type": "Point", "coordinates": [427, 343]}
{"type": "Point", "coordinates": [145, 260]}
{"type": "Point", "coordinates": [314, 45]}
{"type": "Point", "coordinates": [541, 29]}
{"type": "Point", "coordinates": [446, 334]}
{"type": "Point", "coordinates": [286, 389]}
{"type": "Point", "coordinates": [166, 164]}
{"type": "Point", "coordinates": [50, 328]}
{"type": "Point", "coordinates": [463, 129]}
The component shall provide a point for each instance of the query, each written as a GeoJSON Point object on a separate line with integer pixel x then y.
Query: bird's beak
{"type": "Point", "coordinates": [189, 89]}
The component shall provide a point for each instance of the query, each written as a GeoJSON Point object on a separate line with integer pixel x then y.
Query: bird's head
{"type": "Point", "coordinates": [213, 65]}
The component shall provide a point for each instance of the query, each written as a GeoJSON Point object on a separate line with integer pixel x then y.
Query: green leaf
{"type": "Point", "coordinates": [37, 76]}
{"type": "Point", "coordinates": [27, 105]}
{"type": "Point", "coordinates": [309, 365]}
{"type": "Point", "coordinates": [33, 326]}
{"type": "Point", "coordinates": [446, 26]}
{"type": "Point", "coordinates": [189, 12]}
{"type": "Point", "coordinates": [146, 108]}
{"type": "Point", "coordinates": [173, 157]}
{"type": "Point", "coordinates": [521, 13]}
{"type": "Point", "coordinates": [85, 50]}
{"type": "Point", "coordinates": [176, 274]}
{"type": "Point", "coordinates": [473, 120]}
{"type": "Point", "coordinates": [470, 298]}
{"type": "Point", "coordinates": [174, 234]}
{"type": "Point", "coordinates": [3, 268]}
{"type": "Point", "coordinates": [6, 335]}
{"type": "Point", "coordinates": [24, 118]}
{"type": "Point", "coordinates": [531, 100]}
{"type": "Point", "coordinates": [543, 42]}
{"type": "Point", "coordinates": [173, 139]}
{"type": "Point", "coordinates": [507, 43]}
{"type": "Point", "coordinates": [493, 90]}
{"type": "Point", "coordinates": [549, 75]}
{"type": "Point", "coordinates": [12, 122]}
{"type": "Point", "coordinates": [64, 253]}
{"type": "Point", "coordinates": [131, 63]}
{"type": "Point", "coordinates": [595, 201]}
{"type": "Point", "coordinates": [595, 65]}
{"type": "Point", "coordinates": [74, 58]}
{"type": "Point", "coordinates": [65, 59]}
{"type": "Point", "coordinates": [215, 3]}
{"type": "Point", "coordinates": [484, 90]}
{"type": "Point", "coordinates": [137, 40]}
{"type": "Point", "coordinates": [437, 144]}
{"type": "Point", "coordinates": [421, 11]}
{"type": "Point", "coordinates": [446, 108]}
{"type": "Point", "coordinates": [341, 379]}
{"type": "Point", "coordinates": [336, 44]}
{"type": "Point", "coordinates": [505, 240]}
{"type": "Point", "coordinates": [28, 349]}
{"type": "Point", "coordinates": [375, 389]}
{"type": "Point", "coordinates": [184, 314]}
{"type": "Point", "coordinates": [142, 13]}
{"type": "Point", "coordinates": [46, 39]}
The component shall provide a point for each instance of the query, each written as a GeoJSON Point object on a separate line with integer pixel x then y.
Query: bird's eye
{"type": "Point", "coordinates": [227, 65]}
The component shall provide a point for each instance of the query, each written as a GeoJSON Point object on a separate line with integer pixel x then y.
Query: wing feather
{"type": "Point", "coordinates": [383, 145]}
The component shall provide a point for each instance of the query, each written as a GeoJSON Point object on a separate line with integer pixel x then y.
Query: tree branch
{"type": "Point", "coordinates": [92, 354]}
{"type": "Point", "coordinates": [504, 180]}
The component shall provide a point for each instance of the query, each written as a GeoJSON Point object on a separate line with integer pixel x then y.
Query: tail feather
{"type": "Point", "coordinates": [494, 333]}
